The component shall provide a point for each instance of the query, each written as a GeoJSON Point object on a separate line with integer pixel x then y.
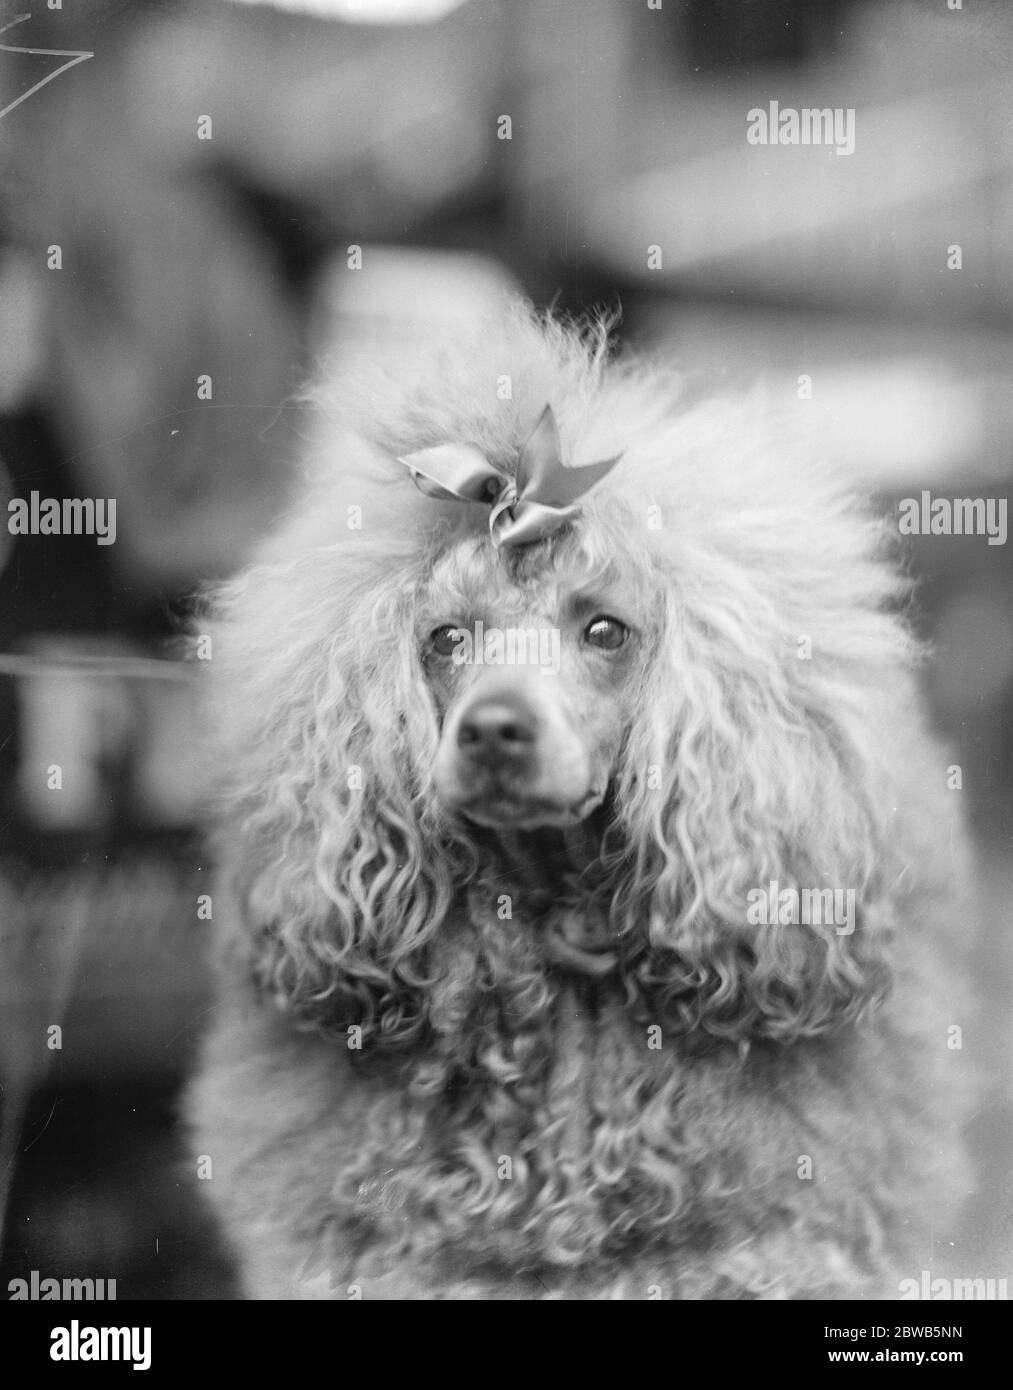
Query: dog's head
{"type": "Point", "coordinates": [674, 700]}
{"type": "Point", "coordinates": [535, 664]}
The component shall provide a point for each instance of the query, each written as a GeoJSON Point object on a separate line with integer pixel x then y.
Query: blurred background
{"type": "Point", "coordinates": [239, 191]}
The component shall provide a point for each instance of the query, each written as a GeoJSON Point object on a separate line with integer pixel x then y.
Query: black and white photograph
{"type": "Point", "coordinates": [506, 662]}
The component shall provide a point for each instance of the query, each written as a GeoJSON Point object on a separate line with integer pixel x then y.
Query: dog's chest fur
{"type": "Point", "coordinates": [541, 1122]}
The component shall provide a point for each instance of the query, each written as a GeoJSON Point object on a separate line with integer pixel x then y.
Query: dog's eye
{"type": "Point", "coordinates": [606, 633]}
{"type": "Point", "coordinates": [444, 640]}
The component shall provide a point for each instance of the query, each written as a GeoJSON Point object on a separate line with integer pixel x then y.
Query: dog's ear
{"type": "Point", "coordinates": [325, 739]}
{"type": "Point", "coordinates": [756, 794]}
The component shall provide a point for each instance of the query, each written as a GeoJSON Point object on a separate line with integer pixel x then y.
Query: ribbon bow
{"type": "Point", "coordinates": [532, 505]}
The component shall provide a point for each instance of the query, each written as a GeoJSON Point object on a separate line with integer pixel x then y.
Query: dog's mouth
{"type": "Point", "coordinates": [515, 811]}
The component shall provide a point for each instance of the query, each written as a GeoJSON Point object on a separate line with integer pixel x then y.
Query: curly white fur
{"type": "Point", "coordinates": [505, 1128]}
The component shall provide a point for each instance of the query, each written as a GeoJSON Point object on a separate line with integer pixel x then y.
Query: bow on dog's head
{"type": "Point", "coordinates": [538, 501]}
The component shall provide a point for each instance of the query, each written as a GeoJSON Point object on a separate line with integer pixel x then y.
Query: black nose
{"type": "Point", "coordinates": [497, 731]}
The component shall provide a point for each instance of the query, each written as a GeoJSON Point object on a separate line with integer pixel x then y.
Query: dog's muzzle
{"type": "Point", "coordinates": [512, 758]}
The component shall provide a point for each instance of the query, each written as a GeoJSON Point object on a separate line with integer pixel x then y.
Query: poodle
{"type": "Point", "coordinates": [587, 869]}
